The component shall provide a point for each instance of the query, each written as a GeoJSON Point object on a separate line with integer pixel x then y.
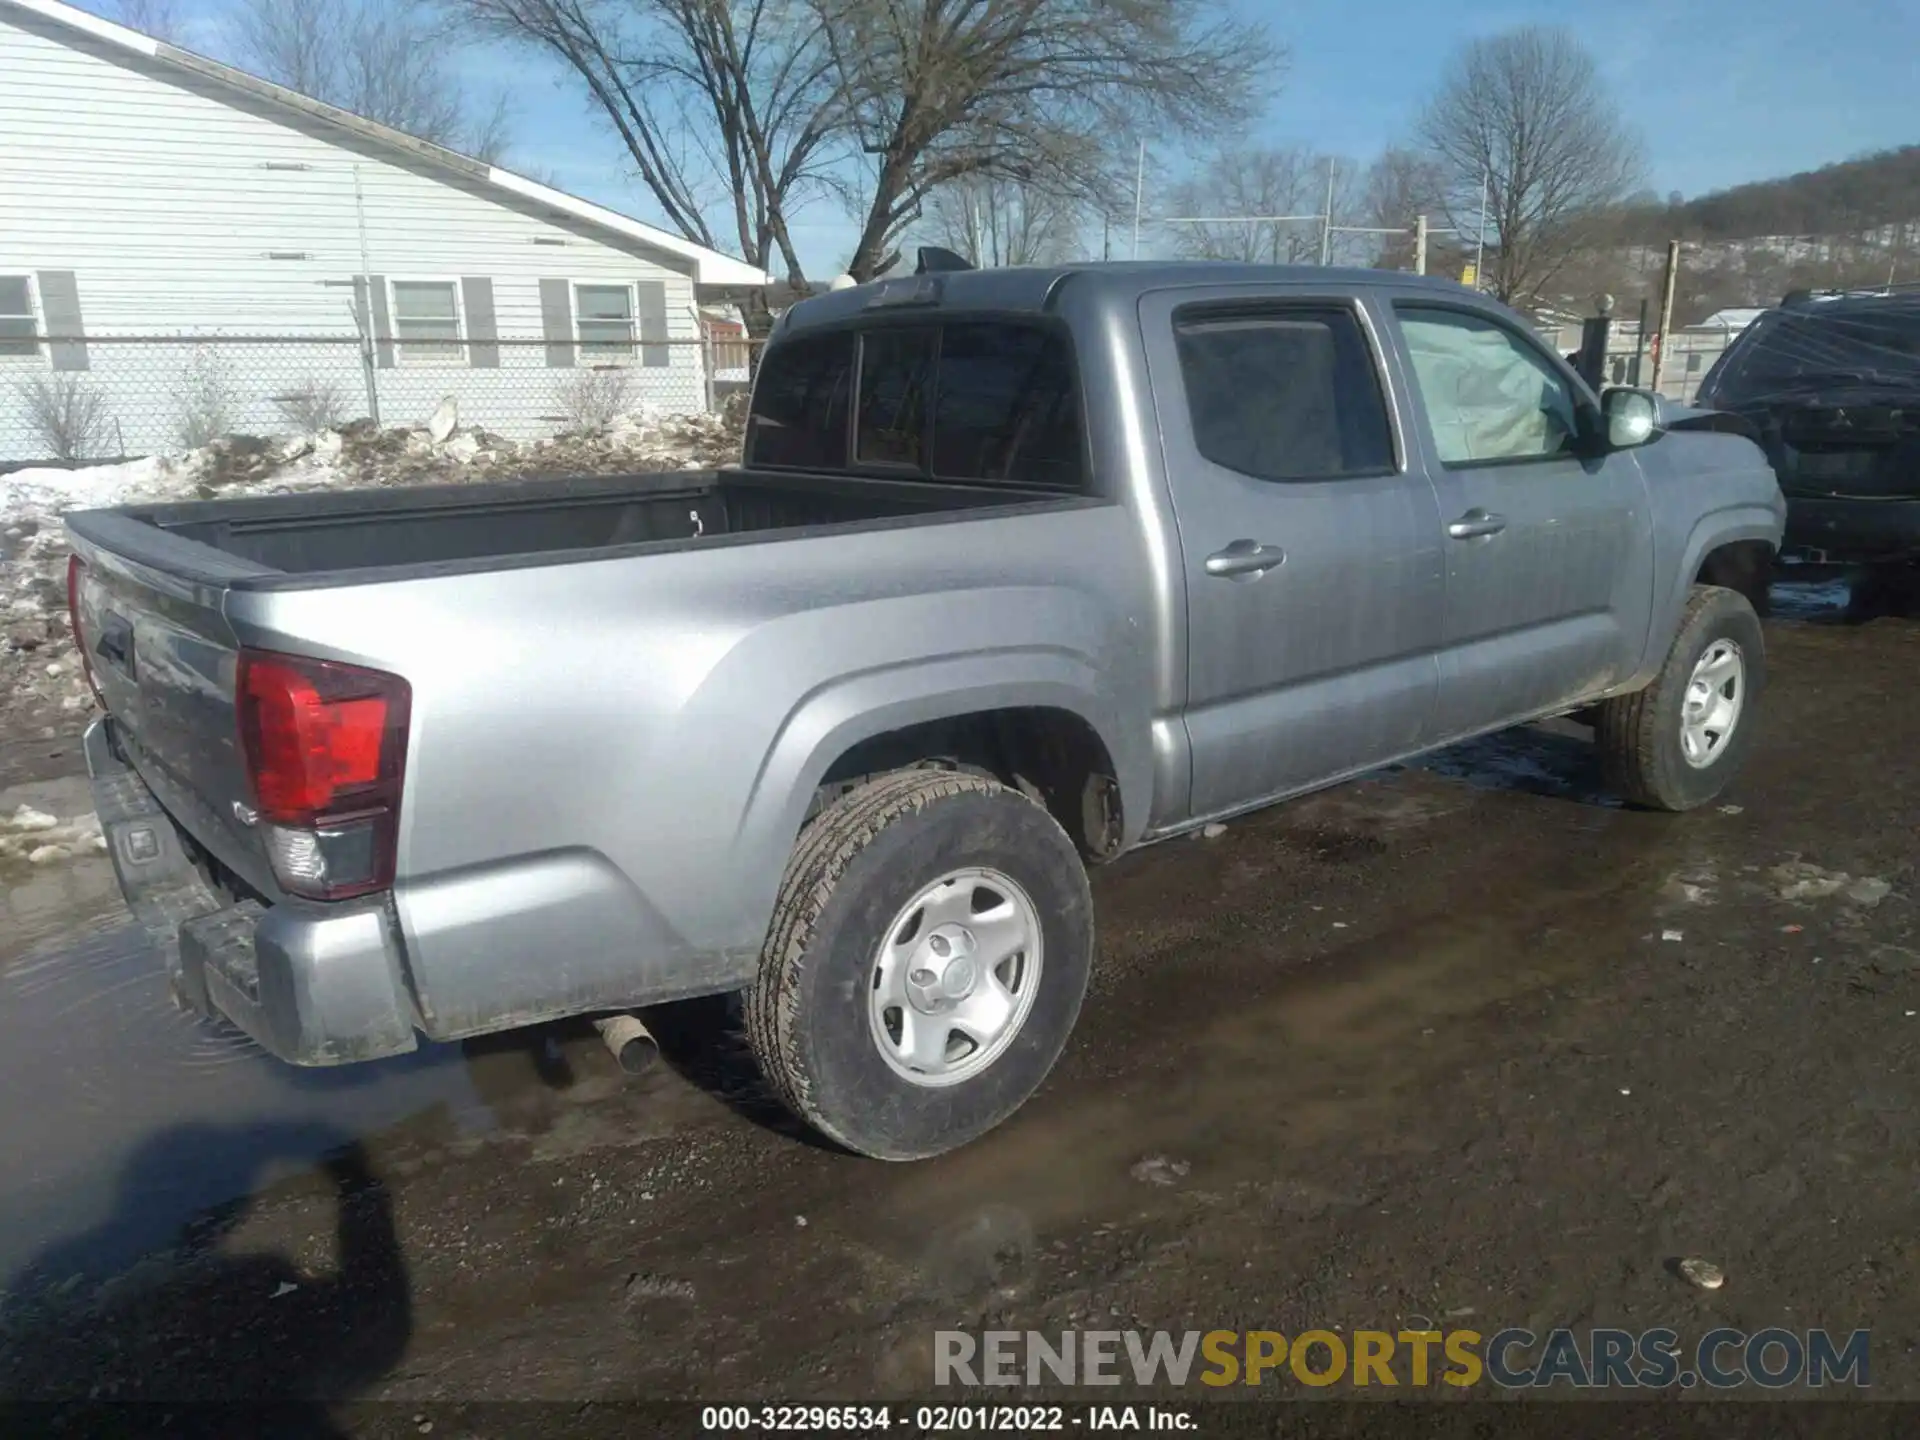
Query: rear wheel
{"type": "Point", "coordinates": [1676, 744]}
{"type": "Point", "coordinates": [926, 963]}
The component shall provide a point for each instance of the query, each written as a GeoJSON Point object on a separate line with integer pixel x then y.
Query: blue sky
{"type": "Point", "coordinates": [1722, 91]}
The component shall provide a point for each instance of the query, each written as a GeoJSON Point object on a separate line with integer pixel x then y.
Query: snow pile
{"type": "Point", "coordinates": [42, 689]}
{"type": "Point", "coordinates": [41, 839]}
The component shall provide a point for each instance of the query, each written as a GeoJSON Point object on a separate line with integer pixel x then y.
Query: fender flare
{"type": "Point", "coordinates": [1747, 521]}
{"type": "Point", "coordinates": [827, 722]}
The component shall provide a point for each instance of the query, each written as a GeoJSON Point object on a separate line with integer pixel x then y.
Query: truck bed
{"type": "Point", "coordinates": [337, 537]}
{"type": "Point", "coordinates": [167, 595]}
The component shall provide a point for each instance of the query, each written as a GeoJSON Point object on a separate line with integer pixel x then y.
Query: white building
{"type": "Point", "coordinates": [313, 261]}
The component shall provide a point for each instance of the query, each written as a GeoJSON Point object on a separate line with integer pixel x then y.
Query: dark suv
{"type": "Point", "coordinates": [1833, 385]}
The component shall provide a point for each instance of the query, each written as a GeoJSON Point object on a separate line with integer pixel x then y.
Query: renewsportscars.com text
{"type": "Point", "coordinates": [1512, 1359]}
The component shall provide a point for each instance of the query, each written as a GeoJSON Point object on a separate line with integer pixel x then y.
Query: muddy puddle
{"type": "Point", "coordinates": [126, 1116]}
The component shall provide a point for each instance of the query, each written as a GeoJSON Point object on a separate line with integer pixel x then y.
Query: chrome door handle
{"type": "Point", "coordinates": [1475, 523]}
{"type": "Point", "coordinates": [1245, 560]}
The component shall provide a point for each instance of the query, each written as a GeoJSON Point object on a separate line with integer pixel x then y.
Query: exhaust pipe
{"type": "Point", "coordinates": [631, 1043]}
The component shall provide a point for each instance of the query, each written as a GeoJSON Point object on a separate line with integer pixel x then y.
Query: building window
{"type": "Point", "coordinates": [16, 317]}
{"type": "Point", "coordinates": [606, 321]}
{"type": "Point", "coordinates": [426, 320]}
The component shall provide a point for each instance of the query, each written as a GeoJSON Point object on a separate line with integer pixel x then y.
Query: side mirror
{"type": "Point", "coordinates": [1632, 416]}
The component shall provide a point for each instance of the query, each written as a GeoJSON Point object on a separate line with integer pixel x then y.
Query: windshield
{"type": "Point", "coordinates": [1795, 353]}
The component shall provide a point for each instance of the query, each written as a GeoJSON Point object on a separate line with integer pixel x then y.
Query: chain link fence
{"type": "Point", "coordinates": [97, 397]}
{"type": "Point", "coordinates": [1690, 355]}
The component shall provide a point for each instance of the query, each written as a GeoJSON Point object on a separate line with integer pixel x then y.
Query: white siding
{"type": "Point", "coordinates": [167, 201]}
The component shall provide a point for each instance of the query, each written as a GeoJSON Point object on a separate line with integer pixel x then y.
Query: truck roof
{"type": "Point", "coordinates": [1030, 287]}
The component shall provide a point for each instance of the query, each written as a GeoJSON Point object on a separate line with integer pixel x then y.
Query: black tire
{"type": "Point", "coordinates": [1639, 734]}
{"type": "Point", "coordinates": [856, 864]}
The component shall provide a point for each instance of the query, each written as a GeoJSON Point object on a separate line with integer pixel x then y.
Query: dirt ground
{"type": "Point", "coordinates": [1463, 1042]}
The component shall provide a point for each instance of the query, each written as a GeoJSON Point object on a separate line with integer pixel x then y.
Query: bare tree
{"type": "Point", "coordinates": [203, 397]}
{"type": "Point", "coordinates": [1525, 111]}
{"type": "Point", "coordinates": [69, 415]}
{"type": "Point", "coordinates": [392, 63]}
{"type": "Point", "coordinates": [1003, 222]}
{"type": "Point", "coordinates": [737, 112]}
{"type": "Point", "coordinates": [591, 399]}
{"type": "Point", "coordinates": [1237, 187]}
{"type": "Point", "coordinates": [1400, 186]}
{"type": "Point", "coordinates": [314, 404]}
{"type": "Point", "coordinates": [725, 106]}
{"type": "Point", "coordinates": [158, 18]}
{"type": "Point", "coordinates": [1032, 90]}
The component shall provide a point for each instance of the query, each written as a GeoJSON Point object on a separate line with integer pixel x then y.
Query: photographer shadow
{"type": "Point", "coordinates": [204, 1325]}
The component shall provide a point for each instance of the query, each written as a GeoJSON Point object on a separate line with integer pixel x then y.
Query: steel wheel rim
{"type": "Point", "coordinates": [1710, 710]}
{"type": "Point", "coordinates": [955, 977]}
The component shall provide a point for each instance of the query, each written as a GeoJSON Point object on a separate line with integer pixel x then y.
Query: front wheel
{"type": "Point", "coordinates": [927, 960]}
{"type": "Point", "coordinates": [1676, 744]}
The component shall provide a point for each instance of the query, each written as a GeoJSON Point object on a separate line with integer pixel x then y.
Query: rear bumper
{"type": "Point", "coordinates": [312, 984]}
{"type": "Point", "coordinates": [1853, 530]}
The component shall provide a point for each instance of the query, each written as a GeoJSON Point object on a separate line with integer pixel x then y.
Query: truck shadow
{"type": "Point", "coordinates": [704, 1042]}
{"type": "Point", "coordinates": [206, 1322]}
{"type": "Point", "coordinates": [1554, 759]}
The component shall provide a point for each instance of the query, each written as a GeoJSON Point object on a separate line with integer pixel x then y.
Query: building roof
{"type": "Point", "coordinates": [1735, 319]}
{"type": "Point", "coordinates": [710, 267]}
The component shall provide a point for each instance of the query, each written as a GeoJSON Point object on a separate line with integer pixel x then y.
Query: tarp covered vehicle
{"type": "Point", "coordinates": [1832, 384]}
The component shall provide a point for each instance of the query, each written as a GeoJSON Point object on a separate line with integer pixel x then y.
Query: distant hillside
{"type": "Point", "coordinates": [1875, 199]}
{"type": "Point", "coordinates": [1852, 224]}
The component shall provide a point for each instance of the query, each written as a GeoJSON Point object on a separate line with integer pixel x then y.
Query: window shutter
{"type": "Point", "coordinates": [60, 313]}
{"type": "Point", "coordinates": [483, 338]}
{"type": "Point", "coordinates": [652, 297]}
{"type": "Point", "coordinates": [556, 322]}
{"type": "Point", "coordinates": [382, 322]}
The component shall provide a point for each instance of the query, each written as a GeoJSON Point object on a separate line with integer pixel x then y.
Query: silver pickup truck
{"type": "Point", "coordinates": [1021, 569]}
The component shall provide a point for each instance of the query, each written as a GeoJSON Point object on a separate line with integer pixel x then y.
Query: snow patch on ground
{"type": "Point", "coordinates": [42, 839]}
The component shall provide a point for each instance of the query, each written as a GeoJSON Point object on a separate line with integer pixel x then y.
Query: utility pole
{"type": "Point", "coordinates": [1640, 342]}
{"type": "Point", "coordinates": [1419, 244]}
{"type": "Point", "coordinates": [1666, 311]}
{"type": "Point", "coordinates": [1139, 184]}
{"type": "Point", "coordinates": [1326, 226]}
{"type": "Point", "coordinates": [364, 317]}
{"type": "Point", "coordinates": [1480, 245]}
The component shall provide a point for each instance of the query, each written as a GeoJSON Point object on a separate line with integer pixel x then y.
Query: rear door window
{"type": "Point", "coordinates": [800, 404]}
{"type": "Point", "coordinates": [1284, 394]}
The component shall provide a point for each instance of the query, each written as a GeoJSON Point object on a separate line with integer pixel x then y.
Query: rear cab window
{"type": "Point", "coordinates": [981, 401]}
{"type": "Point", "coordinates": [1287, 392]}
{"type": "Point", "coordinates": [799, 417]}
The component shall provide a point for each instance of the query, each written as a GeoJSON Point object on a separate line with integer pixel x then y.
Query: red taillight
{"type": "Point", "coordinates": [76, 569]}
{"type": "Point", "coordinates": [326, 751]}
